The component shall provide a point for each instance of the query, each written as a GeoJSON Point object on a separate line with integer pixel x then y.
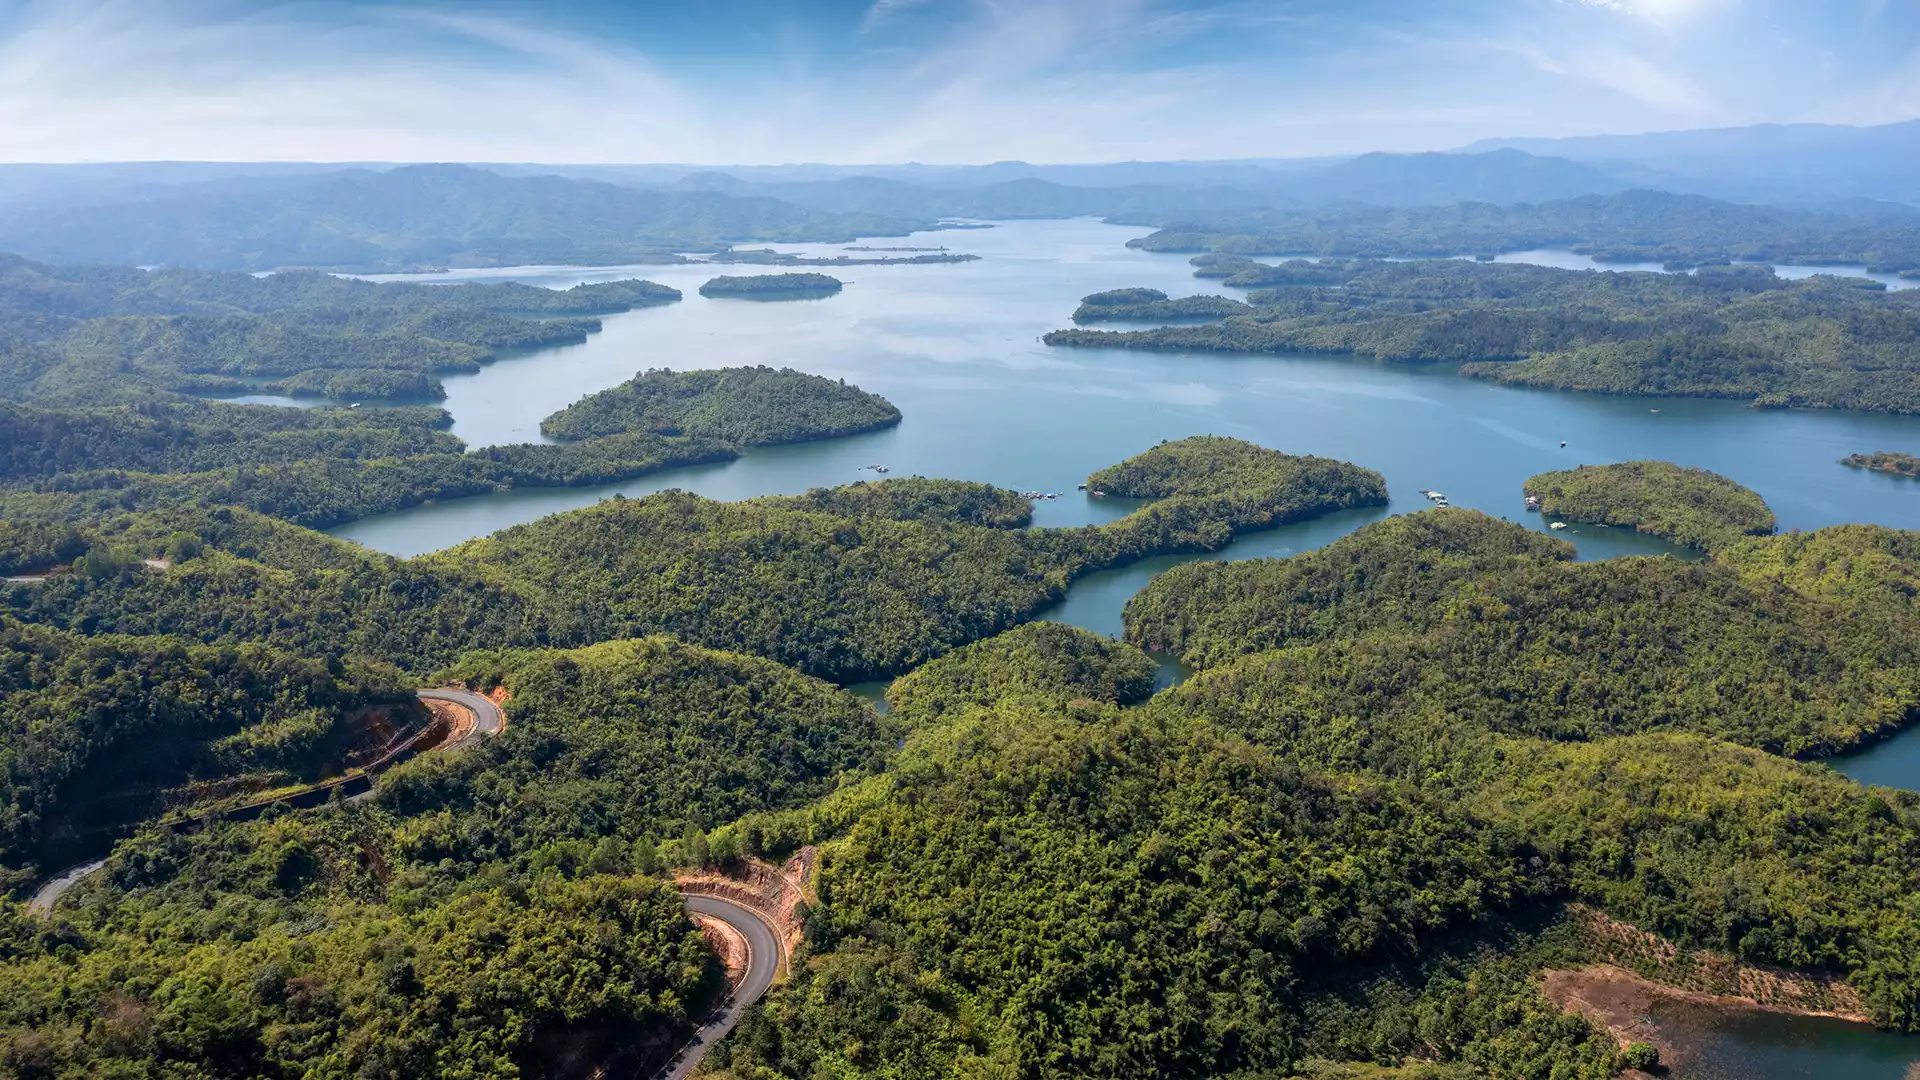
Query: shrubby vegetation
{"type": "Point", "coordinates": [746, 406]}
{"type": "Point", "coordinates": [1886, 461]}
{"type": "Point", "coordinates": [1732, 332]}
{"type": "Point", "coordinates": [1148, 305]}
{"type": "Point", "coordinates": [1692, 507]}
{"type": "Point", "coordinates": [773, 286]}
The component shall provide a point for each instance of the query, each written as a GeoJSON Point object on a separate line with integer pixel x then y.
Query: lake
{"type": "Point", "coordinates": [957, 348]}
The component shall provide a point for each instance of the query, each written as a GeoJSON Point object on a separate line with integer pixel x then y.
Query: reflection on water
{"type": "Point", "coordinates": [1722, 1044]}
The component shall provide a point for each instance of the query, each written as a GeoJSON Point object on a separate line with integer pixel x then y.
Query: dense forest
{"type": "Point", "coordinates": [1739, 332]}
{"type": "Point", "coordinates": [1452, 652]}
{"type": "Point", "coordinates": [1734, 646]}
{"type": "Point", "coordinates": [1632, 226]}
{"type": "Point", "coordinates": [1691, 507]}
{"type": "Point", "coordinates": [747, 406]}
{"type": "Point", "coordinates": [772, 286]}
{"type": "Point", "coordinates": [108, 334]}
{"type": "Point", "coordinates": [847, 585]}
{"type": "Point", "coordinates": [101, 732]}
{"type": "Point", "coordinates": [1152, 305]}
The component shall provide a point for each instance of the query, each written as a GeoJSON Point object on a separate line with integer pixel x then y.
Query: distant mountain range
{"type": "Point", "coordinates": [385, 217]}
{"type": "Point", "coordinates": [415, 216]}
{"type": "Point", "coordinates": [1763, 163]}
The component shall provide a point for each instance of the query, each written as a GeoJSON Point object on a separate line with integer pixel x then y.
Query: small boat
{"type": "Point", "coordinates": [1435, 496]}
{"type": "Point", "coordinates": [1558, 525]}
{"type": "Point", "coordinates": [1081, 487]}
{"type": "Point", "coordinates": [1653, 410]}
{"type": "Point", "coordinates": [355, 405]}
{"type": "Point", "coordinates": [1563, 443]}
{"type": "Point", "coordinates": [1098, 494]}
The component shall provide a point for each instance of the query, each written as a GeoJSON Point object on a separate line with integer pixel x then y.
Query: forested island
{"type": "Point", "coordinates": [1147, 305]}
{"type": "Point", "coordinates": [1886, 461]}
{"type": "Point", "coordinates": [1691, 507]}
{"type": "Point", "coordinates": [772, 287]}
{"type": "Point", "coordinates": [751, 406]}
{"type": "Point", "coordinates": [1737, 332]}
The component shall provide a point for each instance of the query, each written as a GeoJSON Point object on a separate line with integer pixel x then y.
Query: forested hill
{"type": "Point", "coordinates": [749, 406]}
{"type": "Point", "coordinates": [1692, 507]}
{"type": "Point", "coordinates": [420, 216]}
{"type": "Point", "coordinates": [1633, 226]}
{"type": "Point", "coordinates": [108, 334]}
{"type": "Point", "coordinates": [1736, 332]}
{"type": "Point", "coordinates": [847, 584]}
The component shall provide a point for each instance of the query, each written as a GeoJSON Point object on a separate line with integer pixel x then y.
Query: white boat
{"type": "Point", "coordinates": [1558, 525]}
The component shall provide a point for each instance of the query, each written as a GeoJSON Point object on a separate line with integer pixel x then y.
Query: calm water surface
{"type": "Point", "coordinates": [1723, 1045]}
{"type": "Point", "coordinates": [957, 349]}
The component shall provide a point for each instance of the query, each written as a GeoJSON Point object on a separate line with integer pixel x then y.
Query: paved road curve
{"type": "Point", "coordinates": [487, 722]}
{"type": "Point", "coordinates": [763, 961]}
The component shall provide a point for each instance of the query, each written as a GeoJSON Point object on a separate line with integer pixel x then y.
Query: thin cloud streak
{"type": "Point", "coordinates": [936, 80]}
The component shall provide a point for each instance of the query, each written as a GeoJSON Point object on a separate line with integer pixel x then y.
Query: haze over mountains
{"type": "Point", "coordinates": [374, 216]}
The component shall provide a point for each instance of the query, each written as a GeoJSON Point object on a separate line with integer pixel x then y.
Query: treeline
{"type": "Point", "coordinates": [1633, 226]}
{"type": "Point", "coordinates": [844, 586]}
{"type": "Point", "coordinates": [1691, 507]}
{"type": "Point", "coordinates": [1739, 332]}
{"type": "Point", "coordinates": [745, 406]}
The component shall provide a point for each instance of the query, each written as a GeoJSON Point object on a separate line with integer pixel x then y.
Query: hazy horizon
{"type": "Point", "coordinates": [752, 82]}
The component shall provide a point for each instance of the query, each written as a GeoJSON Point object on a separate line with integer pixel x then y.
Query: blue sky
{"type": "Point", "coordinates": [865, 81]}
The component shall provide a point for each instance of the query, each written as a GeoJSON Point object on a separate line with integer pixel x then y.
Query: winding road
{"type": "Point", "coordinates": [487, 722]}
{"type": "Point", "coordinates": [764, 955]}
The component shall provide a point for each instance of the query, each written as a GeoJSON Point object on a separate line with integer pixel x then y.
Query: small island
{"type": "Point", "coordinates": [1691, 507]}
{"type": "Point", "coordinates": [1886, 461]}
{"type": "Point", "coordinates": [772, 287]}
{"type": "Point", "coordinates": [744, 406]}
{"type": "Point", "coordinates": [1152, 305]}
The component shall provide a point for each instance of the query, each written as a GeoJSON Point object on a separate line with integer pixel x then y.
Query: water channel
{"type": "Point", "coordinates": [957, 348]}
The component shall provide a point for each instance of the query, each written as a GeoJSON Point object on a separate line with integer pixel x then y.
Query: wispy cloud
{"type": "Point", "coordinates": [941, 80]}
